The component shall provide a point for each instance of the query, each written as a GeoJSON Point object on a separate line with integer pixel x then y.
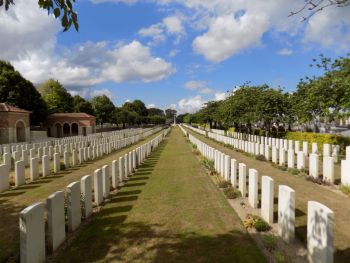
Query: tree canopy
{"type": "Point", "coordinates": [17, 91]}
{"type": "Point", "coordinates": [103, 108]}
{"type": "Point", "coordinates": [82, 105]}
{"type": "Point", "coordinates": [57, 98]}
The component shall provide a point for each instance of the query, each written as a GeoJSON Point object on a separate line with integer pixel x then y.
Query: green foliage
{"type": "Point", "coordinates": [169, 113]}
{"type": "Point", "coordinates": [62, 9]}
{"type": "Point", "coordinates": [56, 97]}
{"type": "Point", "coordinates": [103, 108]}
{"type": "Point", "coordinates": [257, 222]}
{"type": "Point", "coordinates": [223, 183]}
{"type": "Point", "coordinates": [208, 164]}
{"type": "Point", "coordinates": [232, 193]}
{"type": "Point", "coordinates": [269, 242]}
{"type": "Point", "coordinates": [155, 112]}
{"type": "Point", "coordinates": [260, 157]}
{"type": "Point", "coordinates": [136, 106]}
{"type": "Point", "coordinates": [279, 257]}
{"type": "Point", "coordinates": [82, 105]}
{"type": "Point", "coordinates": [345, 189]}
{"type": "Point", "coordinates": [17, 91]}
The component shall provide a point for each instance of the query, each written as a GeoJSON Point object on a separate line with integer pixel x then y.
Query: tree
{"type": "Point", "coordinates": [170, 113]}
{"type": "Point", "coordinates": [62, 9]}
{"type": "Point", "coordinates": [103, 108]}
{"type": "Point", "coordinates": [17, 91]}
{"type": "Point", "coordinates": [312, 7]}
{"type": "Point", "coordinates": [155, 112]}
{"type": "Point", "coordinates": [82, 105]}
{"type": "Point", "coordinates": [137, 106]}
{"type": "Point", "coordinates": [57, 98]}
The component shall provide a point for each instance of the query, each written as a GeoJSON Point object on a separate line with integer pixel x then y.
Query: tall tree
{"type": "Point", "coordinates": [17, 91]}
{"type": "Point", "coordinates": [57, 98]}
{"type": "Point", "coordinates": [137, 106]}
{"type": "Point", "coordinates": [170, 113]}
{"type": "Point", "coordinates": [82, 105]}
{"type": "Point", "coordinates": [103, 108]}
{"type": "Point", "coordinates": [155, 112]}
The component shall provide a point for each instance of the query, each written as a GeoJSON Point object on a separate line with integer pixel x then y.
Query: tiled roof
{"type": "Point", "coordinates": [9, 108]}
{"type": "Point", "coordinates": [71, 115]}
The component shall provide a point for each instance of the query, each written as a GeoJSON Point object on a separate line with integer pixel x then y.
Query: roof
{"type": "Point", "coordinates": [71, 115]}
{"type": "Point", "coordinates": [4, 107]}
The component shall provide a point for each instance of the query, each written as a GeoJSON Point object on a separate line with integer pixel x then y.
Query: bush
{"type": "Point", "coordinates": [293, 171]}
{"type": "Point", "coordinates": [317, 180]}
{"type": "Point", "coordinates": [232, 193]}
{"type": "Point", "coordinates": [260, 157]}
{"type": "Point", "coordinates": [223, 184]}
{"type": "Point", "coordinates": [269, 242]}
{"type": "Point", "coordinates": [282, 168]}
{"type": "Point", "coordinates": [320, 139]}
{"type": "Point", "coordinates": [209, 165]}
{"type": "Point", "coordinates": [257, 222]}
{"type": "Point", "coordinates": [279, 257]}
{"type": "Point", "coordinates": [62, 166]}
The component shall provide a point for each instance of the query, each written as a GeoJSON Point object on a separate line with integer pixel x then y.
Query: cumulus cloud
{"type": "Point", "coordinates": [220, 96]}
{"type": "Point", "coordinates": [200, 86]}
{"type": "Point", "coordinates": [133, 62]}
{"type": "Point", "coordinates": [190, 105]}
{"type": "Point", "coordinates": [170, 25]}
{"type": "Point", "coordinates": [228, 35]}
{"type": "Point", "coordinates": [100, 92]}
{"type": "Point", "coordinates": [151, 105]}
{"type": "Point", "coordinates": [285, 52]}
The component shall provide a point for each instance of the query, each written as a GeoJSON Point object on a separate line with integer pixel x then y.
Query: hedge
{"type": "Point", "coordinates": [320, 139]}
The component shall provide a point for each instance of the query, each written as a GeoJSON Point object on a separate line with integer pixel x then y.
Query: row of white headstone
{"type": "Point", "coordinates": [83, 193]}
{"type": "Point", "coordinates": [292, 157]}
{"type": "Point", "coordinates": [320, 219]}
{"type": "Point", "coordinates": [71, 158]}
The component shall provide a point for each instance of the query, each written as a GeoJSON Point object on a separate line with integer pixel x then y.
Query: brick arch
{"type": "Point", "coordinates": [20, 127]}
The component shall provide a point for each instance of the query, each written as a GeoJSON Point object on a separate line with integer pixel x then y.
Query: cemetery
{"type": "Point", "coordinates": [180, 131]}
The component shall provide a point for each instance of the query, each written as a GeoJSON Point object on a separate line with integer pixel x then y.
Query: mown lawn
{"type": "Point", "coordinates": [169, 211]}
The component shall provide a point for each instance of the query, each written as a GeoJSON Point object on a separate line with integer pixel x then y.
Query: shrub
{"type": "Point", "coordinates": [320, 139]}
{"type": "Point", "coordinates": [279, 257]}
{"type": "Point", "coordinates": [345, 189]}
{"type": "Point", "coordinates": [317, 180]}
{"type": "Point", "coordinates": [282, 168]}
{"type": "Point", "coordinates": [232, 193]}
{"type": "Point", "coordinates": [260, 157]}
{"type": "Point", "coordinates": [269, 242]}
{"type": "Point", "coordinates": [261, 226]}
{"type": "Point", "coordinates": [209, 165]}
{"type": "Point", "coordinates": [293, 171]}
{"type": "Point", "coordinates": [62, 166]}
{"type": "Point", "coordinates": [257, 222]}
{"type": "Point", "coordinates": [223, 184]}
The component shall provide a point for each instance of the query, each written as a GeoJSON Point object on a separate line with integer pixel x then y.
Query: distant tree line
{"type": "Point", "coordinates": [325, 97]}
{"type": "Point", "coordinates": [51, 97]}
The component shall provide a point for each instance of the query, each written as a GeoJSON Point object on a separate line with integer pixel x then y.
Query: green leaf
{"type": "Point", "coordinates": [56, 12]}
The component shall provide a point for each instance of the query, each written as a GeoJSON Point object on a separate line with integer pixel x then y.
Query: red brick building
{"type": "Point", "coordinates": [70, 124]}
{"type": "Point", "coordinates": [14, 124]}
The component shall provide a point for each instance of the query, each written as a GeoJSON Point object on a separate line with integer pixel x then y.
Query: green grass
{"type": "Point", "coordinates": [169, 211]}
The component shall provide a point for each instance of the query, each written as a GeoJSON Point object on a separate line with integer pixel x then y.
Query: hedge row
{"type": "Point", "coordinates": [320, 139]}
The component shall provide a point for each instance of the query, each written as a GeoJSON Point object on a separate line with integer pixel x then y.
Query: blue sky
{"type": "Point", "coordinates": [171, 53]}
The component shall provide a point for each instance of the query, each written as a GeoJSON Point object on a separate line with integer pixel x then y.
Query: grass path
{"type": "Point", "coordinates": [169, 211]}
{"type": "Point", "coordinates": [13, 201]}
{"type": "Point", "coordinates": [304, 191]}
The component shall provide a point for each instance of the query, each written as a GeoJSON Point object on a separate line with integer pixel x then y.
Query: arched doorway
{"type": "Point", "coordinates": [66, 130]}
{"type": "Point", "coordinates": [58, 130]}
{"type": "Point", "coordinates": [20, 131]}
{"type": "Point", "coordinates": [75, 129]}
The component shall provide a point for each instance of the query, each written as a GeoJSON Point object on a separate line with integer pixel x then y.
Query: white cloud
{"type": "Point", "coordinates": [285, 52]}
{"type": "Point", "coordinates": [134, 62]}
{"type": "Point", "coordinates": [151, 105]}
{"type": "Point", "coordinates": [228, 35]}
{"type": "Point", "coordinates": [220, 96]}
{"type": "Point", "coordinates": [190, 105]}
{"type": "Point", "coordinates": [200, 86]}
{"type": "Point", "coordinates": [171, 25]}
{"type": "Point", "coordinates": [100, 92]}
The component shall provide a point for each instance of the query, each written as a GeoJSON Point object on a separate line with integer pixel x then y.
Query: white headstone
{"type": "Point", "coordinates": [253, 188]}
{"type": "Point", "coordinates": [45, 166]}
{"type": "Point", "coordinates": [234, 172]}
{"type": "Point", "coordinates": [32, 233]}
{"type": "Point", "coordinates": [4, 178]}
{"type": "Point", "coordinates": [345, 172]}
{"type": "Point", "coordinates": [286, 213]}
{"type": "Point", "coordinates": [56, 230]}
{"type": "Point", "coordinates": [34, 168]}
{"type": "Point", "coordinates": [300, 160]}
{"type": "Point", "coordinates": [115, 174]}
{"type": "Point", "coordinates": [320, 223]}
{"type": "Point", "coordinates": [98, 187]}
{"type": "Point", "coordinates": [313, 165]}
{"type": "Point", "coordinates": [242, 180]}
{"type": "Point", "coordinates": [86, 191]}
{"type": "Point", "coordinates": [267, 199]}
{"type": "Point", "coordinates": [20, 178]}
{"type": "Point", "coordinates": [328, 169]}
{"type": "Point", "coordinates": [73, 206]}
{"type": "Point", "coordinates": [106, 181]}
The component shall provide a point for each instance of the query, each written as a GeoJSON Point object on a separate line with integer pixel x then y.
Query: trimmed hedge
{"type": "Point", "coordinates": [320, 139]}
